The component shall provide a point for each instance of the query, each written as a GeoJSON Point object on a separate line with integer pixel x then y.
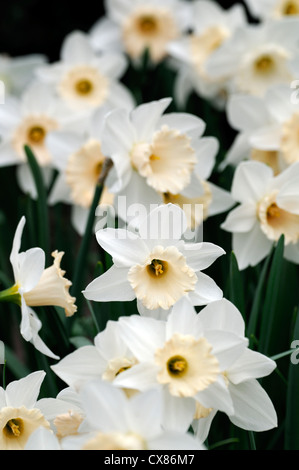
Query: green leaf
{"type": "Point", "coordinates": [236, 285]}
{"type": "Point", "coordinates": [42, 206]}
{"type": "Point", "coordinates": [80, 341]}
{"type": "Point", "coordinates": [271, 296]}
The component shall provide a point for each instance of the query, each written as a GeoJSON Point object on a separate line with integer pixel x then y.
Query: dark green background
{"type": "Point", "coordinates": [33, 26]}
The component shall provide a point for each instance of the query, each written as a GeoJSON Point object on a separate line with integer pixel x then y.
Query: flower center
{"type": "Point", "coordinates": [84, 87]}
{"type": "Point", "coordinates": [276, 221]}
{"type": "Point", "coordinates": [273, 212]}
{"type": "Point", "coordinates": [157, 268]}
{"type": "Point", "coordinates": [36, 134]}
{"type": "Point", "coordinates": [177, 366]}
{"type": "Point", "coordinates": [264, 64]}
{"type": "Point", "coordinates": [148, 24]}
{"type": "Point", "coordinates": [13, 427]}
{"type": "Point", "coordinates": [291, 8]}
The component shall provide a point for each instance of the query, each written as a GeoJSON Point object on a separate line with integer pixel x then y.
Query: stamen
{"type": "Point", "coordinates": [273, 211]}
{"type": "Point", "coordinates": [147, 24]}
{"type": "Point", "coordinates": [13, 427]}
{"type": "Point", "coordinates": [264, 64]}
{"type": "Point", "coordinates": [84, 87]}
{"type": "Point", "coordinates": [157, 267]}
{"type": "Point", "coordinates": [291, 9]}
{"type": "Point", "coordinates": [154, 157]}
{"type": "Point", "coordinates": [177, 365]}
{"type": "Point", "coordinates": [36, 134]}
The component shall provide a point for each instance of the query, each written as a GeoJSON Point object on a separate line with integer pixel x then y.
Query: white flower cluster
{"type": "Point", "coordinates": [157, 378]}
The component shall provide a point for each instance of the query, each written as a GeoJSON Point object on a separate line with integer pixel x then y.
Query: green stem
{"type": "Point", "coordinates": [42, 207]}
{"type": "Point", "coordinates": [11, 295]}
{"type": "Point", "coordinates": [78, 278]}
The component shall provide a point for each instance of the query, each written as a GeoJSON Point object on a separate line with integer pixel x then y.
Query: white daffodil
{"type": "Point", "coordinates": [16, 73]}
{"type": "Point", "coordinates": [269, 207]}
{"type": "Point", "coordinates": [253, 409]}
{"type": "Point", "coordinates": [79, 160]}
{"type": "Point", "coordinates": [144, 25]}
{"type": "Point", "coordinates": [267, 128]}
{"type": "Point", "coordinates": [116, 422]}
{"type": "Point", "coordinates": [269, 9]}
{"type": "Point", "coordinates": [155, 265]}
{"type": "Point", "coordinates": [105, 360]}
{"type": "Point", "coordinates": [85, 80]}
{"type": "Point", "coordinates": [258, 56]}
{"type": "Point", "coordinates": [21, 413]}
{"type": "Point", "coordinates": [161, 158]}
{"type": "Point", "coordinates": [27, 120]}
{"type": "Point", "coordinates": [36, 286]}
{"type": "Point", "coordinates": [211, 27]}
{"type": "Point", "coordinates": [185, 358]}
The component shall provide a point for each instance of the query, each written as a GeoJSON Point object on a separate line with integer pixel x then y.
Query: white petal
{"type": "Point", "coordinates": [110, 286]}
{"type": "Point", "coordinates": [222, 200]}
{"type": "Point", "coordinates": [250, 365]}
{"type": "Point", "coordinates": [62, 145]}
{"type": "Point", "coordinates": [120, 96]}
{"type": "Point", "coordinates": [141, 377]}
{"type": "Point", "coordinates": [16, 246]}
{"type": "Point", "coordinates": [247, 112]}
{"type": "Point", "coordinates": [206, 151]}
{"type": "Point", "coordinates": [186, 123]}
{"type": "Point", "coordinates": [241, 219]}
{"type": "Point", "coordinates": [178, 412]}
{"type": "Point", "coordinates": [80, 366]}
{"type": "Point", "coordinates": [142, 335]}
{"type": "Point", "coordinates": [118, 133]}
{"type": "Point", "coordinates": [125, 247]}
{"type": "Point", "coordinates": [251, 248]}
{"type": "Point", "coordinates": [222, 315]}
{"type": "Point", "coordinates": [202, 426]}
{"type": "Point", "coordinates": [216, 396]}
{"type": "Point", "coordinates": [145, 117]}
{"type": "Point", "coordinates": [206, 291]}
{"type": "Point", "coordinates": [227, 346]}
{"type": "Point", "coordinates": [250, 181]}
{"type": "Point", "coordinates": [166, 222]}
{"type": "Point", "coordinates": [200, 256]}
{"type": "Point", "coordinates": [145, 413]}
{"type": "Point", "coordinates": [288, 197]}
{"type": "Point", "coordinates": [105, 406]}
{"type": "Point", "coordinates": [253, 409]}
{"type": "Point", "coordinates": [76, 49]}
{"type": "Point", "coordinates": [8, 155]}
{"type": "Point", "coordinates": [79, 218]}
{"type": "Point", "coordinates": [42, 439]}
{"type": "Point", "coordinates": [267, 138]}
{"type": "Point", "coordinates": [25, 391]}
{"type": "Point", "coordinates": [31, 267]}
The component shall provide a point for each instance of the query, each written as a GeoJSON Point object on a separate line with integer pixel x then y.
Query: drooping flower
{"type": "Point", "coordinates": [211, 26]}
{"type": "Point", "coordinates": [155, 265]}
{"type": "Point", "coordinates": [85, 80]}
{"type": "Point", "coordinates": [258, 56]}
{"type": "Point", "coordinates": [36, 286]}
{"type": "Point", "coordinates": [269, 208]}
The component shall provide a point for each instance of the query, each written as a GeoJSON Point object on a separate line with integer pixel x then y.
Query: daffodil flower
{"type": "Point", "coordinates": [155, 266]}
{"type": "Point", "coordinates": [268, 208]}
{"type": "Point", "coordinates": [36, 286]}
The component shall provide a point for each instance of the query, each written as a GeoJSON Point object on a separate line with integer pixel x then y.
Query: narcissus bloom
{"type": "Point", "coordinates": [267, 126]}
{"type": "Point", "coordinates": [79, 159]}
{"type": "Point", "coordinates": [36, 286]}
{"type": "Point", "coordinates": [85, 80]}
{"type": "Point", "coordinates": [269, 207]}
{"type": "Point", "coordinates": [162, 158]}
{"type": "Point", "coordinates": [275, 9]}
{"type": "Point", "coordinates": [147, 25]}
{"type": "Point", "coordinates": [105, 359]}
{"type": "Point", "coordinates": [155, 265]}
{"type": "Point", "coordinates": [211, 27]}
{"type": "Point", "coordinates": [258, 56]}
{"type": "Point", "coordinates": [116, 422]}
